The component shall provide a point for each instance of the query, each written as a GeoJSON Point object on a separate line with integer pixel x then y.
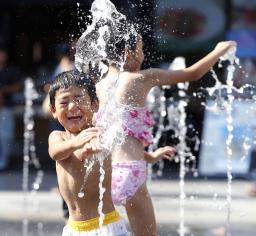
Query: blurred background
{"type": "Point", "coordinates": [37, 41]}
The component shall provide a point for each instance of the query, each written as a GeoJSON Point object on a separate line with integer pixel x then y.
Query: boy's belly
{"type": "Point", "coordinates": [71, 183]}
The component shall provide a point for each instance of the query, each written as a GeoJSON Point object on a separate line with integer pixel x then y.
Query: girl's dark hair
{"type": "Point", "coordinates": [120, 35]}
{"type": "Point", "coordinates": [72, 78]}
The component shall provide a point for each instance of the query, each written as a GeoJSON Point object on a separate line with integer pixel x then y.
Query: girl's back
{"type": "Point", "coordinates": [130, 94]}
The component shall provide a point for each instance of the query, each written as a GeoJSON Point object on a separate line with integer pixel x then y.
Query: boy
{"type": "Point", "coordinates": [73, 101]}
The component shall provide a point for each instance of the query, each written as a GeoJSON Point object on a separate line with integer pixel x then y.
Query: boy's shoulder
{"type": "Point", "coordinates": [57, 134]}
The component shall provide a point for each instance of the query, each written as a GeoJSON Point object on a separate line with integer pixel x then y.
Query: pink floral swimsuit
{"type": "Point", "coordinates": [136, 123]}
{"type": "Point", "coordinates": [128, 176]}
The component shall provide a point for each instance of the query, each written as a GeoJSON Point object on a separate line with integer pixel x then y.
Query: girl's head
{"type": "Point", "coordinates": [109, 42]}
{"type": "Point", "coordinates": [73, 100]}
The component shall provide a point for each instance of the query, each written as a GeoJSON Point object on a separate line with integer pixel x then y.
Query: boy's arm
{"type": "Point", "coordinates": [192, 73]}
{"type": "Point", "coordinates": [60, 149]}
{"type": "Point", "coordinates": [166, 152]}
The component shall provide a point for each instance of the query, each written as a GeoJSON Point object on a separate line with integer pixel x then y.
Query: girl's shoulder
{"type": "Point", "coordinates": [126, 75]}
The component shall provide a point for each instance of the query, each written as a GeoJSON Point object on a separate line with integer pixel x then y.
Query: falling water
{"type": "Point", "coordinates": [157, 105]}
{"type": "Point", "coordinates": [104, 13]}
{"type": "Point", "coordinates": [230, 98]}
{"type": "Point", "coordinates": [182, 146]}
{"type": "Point", "coordinates": [102, 190]}
{"type": "Point", "coordinates": [177, 123]}
{"type": "Point", "coordinates": [227, 105]}
{"type": "Point", "coordinates": [29, 153]}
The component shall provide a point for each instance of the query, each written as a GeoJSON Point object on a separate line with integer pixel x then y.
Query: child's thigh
{"type": "Point", "coordinates": [140, 205]}
{"type": "Point", "coordinates": [140, 213]}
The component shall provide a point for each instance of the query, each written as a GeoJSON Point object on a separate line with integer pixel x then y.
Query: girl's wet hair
{"type": "Point", "coordinates": [119, 36]}
{"type": "Point", "coordinates": [127, 38]}
{"type": "Point", "coordinates": [72, 78]}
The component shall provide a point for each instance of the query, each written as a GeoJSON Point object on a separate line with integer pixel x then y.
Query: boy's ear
{"type": "Point", "coordinates": [53, 111]}
{"type": "Point", "coordinates": [95, 106]}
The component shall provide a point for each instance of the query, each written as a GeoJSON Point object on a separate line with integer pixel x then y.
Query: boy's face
{"type": "Point", "coordinates": [73, 109]}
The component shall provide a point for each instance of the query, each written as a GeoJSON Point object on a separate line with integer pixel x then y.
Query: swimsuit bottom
{"type": "Point", "coordinates": [127, 177]}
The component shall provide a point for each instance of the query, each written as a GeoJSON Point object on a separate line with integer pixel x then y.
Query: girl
{"type": "Point", "coordinates": [128, 160]}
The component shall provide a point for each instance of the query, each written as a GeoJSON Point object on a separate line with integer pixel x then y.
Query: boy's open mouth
{"type": "Point", "coordinates": [75, 118]}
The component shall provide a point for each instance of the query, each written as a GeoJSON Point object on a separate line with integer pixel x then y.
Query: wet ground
{"type": "Point", "coordinates": [55, 228]}
{"type": "Point", "coordinates": [205, 207]}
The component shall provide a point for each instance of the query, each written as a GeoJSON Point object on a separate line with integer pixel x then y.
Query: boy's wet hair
{"type": "Point", "coordinates": [72, 78]}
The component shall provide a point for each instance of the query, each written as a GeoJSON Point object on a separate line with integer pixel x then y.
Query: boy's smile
{"type": "Point", "coordinates": [73, 109]}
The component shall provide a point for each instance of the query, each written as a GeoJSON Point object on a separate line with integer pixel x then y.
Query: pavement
{"type": "Point", "coordinates": [205, 207]}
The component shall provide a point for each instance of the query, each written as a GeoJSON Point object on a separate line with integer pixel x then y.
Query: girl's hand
{"type": "Point", "coordinates": [166, 152]}
{"type": "Point", "coordinates": [225, 46]}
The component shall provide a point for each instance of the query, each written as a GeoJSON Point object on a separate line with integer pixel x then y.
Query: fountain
{"type": "Point", "coordinates": [112, 132]}
{"type": "Point", "coordinates": [176, 122]}
{"type": "Point", "coordinates": [226, 104]}
{"type": "Point", "coordinates": [105, 10]}
{"type": "Point", "coordinates": [29, 155]}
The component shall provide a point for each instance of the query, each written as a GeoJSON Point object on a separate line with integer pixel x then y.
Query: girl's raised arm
{"type": "Point", "coordinates": [158, 77]}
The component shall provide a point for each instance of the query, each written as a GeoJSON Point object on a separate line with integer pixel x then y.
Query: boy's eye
{"type": "Point", "coordinates": [79, 99]}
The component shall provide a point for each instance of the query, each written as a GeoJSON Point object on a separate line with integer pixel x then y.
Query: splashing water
{"type": "Point", "coordinates": [104, 15]}
{"type": "Point", "coordinates": [181, 131]}
{"type": "Point", "coordinates": [89, 162]}
{"type": "Point", "coordinates": [230, 56]}
{"type": "Point", "coordinates": [102, 190]}
{"type": "Point", "coordinates": [177, 122]}
{"type": "Point", "coordinates": [91, 53]}
{"type": "Point", "coordinates": [227, 104]}
{"type": "Point", "coordinates": [112, 135]}
{"type": "Point", "coordinates": [94, 51]}
{"type": "Point", "coordinates": [162, 107]}
{"type": "Point", "coordinates": [29, 153]}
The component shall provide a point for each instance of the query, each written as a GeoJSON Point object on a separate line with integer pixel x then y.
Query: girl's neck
{"type": "Point", "coordinates": [112, 71]}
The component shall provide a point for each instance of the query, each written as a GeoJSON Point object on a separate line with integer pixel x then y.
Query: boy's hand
{"type": "Point", "coordinates": [166, 152]}
{"type": "Point", "coordinates": [92, 147]}
{"type": "Point", "coordinates": [85, 136]}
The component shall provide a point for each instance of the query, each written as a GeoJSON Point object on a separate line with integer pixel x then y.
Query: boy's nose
{"type": "Point", "coordinates": [72, 105]}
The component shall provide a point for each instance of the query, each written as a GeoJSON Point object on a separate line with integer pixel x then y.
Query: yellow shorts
{"type": "Point", "coordinates": [113, 225]}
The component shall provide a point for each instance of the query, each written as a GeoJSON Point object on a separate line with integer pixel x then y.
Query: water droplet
{"type": "Point", "coordinates": [81, 194]}
{"type": "Point", "coordinates": [36, 186]}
